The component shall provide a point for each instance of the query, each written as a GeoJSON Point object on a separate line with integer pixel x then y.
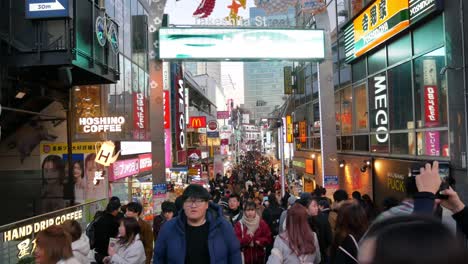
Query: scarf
{"type": "Point", "coordinates": [251, 224]}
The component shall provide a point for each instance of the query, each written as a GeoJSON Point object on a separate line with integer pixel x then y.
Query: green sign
{"type": "Point", "coordinates": [299, 164]}
{"type": "Point", "coordinates": [420, 9]}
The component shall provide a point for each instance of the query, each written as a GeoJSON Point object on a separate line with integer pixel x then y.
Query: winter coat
{"type": "Point", "coordinates": [282, 254]}
{"type": "Point", "coordinates": [223, 244]}
{"type": "Point", "coordinates": [272, 215]}
{"type": "Point", "coordinates": [321, 227]}
{"type": "Point", "coordinates": [71, 260]}
{"type": "Point", "coordinates": [347, 251]}
{"type": "Point", "coordinates": [253, 253]}
{"type": "Point", "coordinates": [158, 221]}
{"type": "Point", "coordinates": [129, 254]}
{"type": "Point", "coordinates": [81, 249]}
{"type": "Point", "coordinates": [105, 227]}
{"type": "Point", "coordinates": [147, 238]}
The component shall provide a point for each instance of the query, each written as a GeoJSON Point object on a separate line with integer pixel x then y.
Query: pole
{"type": "Point", "coordinates": [70, 144]}
{"type": "Point", "coordinates": [281, 139]}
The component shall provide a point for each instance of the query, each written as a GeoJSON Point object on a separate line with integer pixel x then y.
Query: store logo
{"type": "Point", "coordinates": [102, 124]}
{"type": "Point", "coordinates": [105, 156]}
{"type": "Point", "coordinates": [380, 103]}
{"type": "Point", "coordinates": [198, 122]}
{"type": "Point", "coordinates": [181, 121]}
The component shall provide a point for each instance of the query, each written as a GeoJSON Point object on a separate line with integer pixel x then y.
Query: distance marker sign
{"type": "Point", "coordinates": [43, 9]}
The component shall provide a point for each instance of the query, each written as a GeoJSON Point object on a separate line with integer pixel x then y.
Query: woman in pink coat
{"type": "Point", "coordinates": [254, 235]}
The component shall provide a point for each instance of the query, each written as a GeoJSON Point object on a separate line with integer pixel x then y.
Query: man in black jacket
{"type": "Point", "coordinates": [105, 228]}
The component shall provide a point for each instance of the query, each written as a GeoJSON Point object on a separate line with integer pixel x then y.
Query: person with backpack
{"type": "Point", "coordinates": [272, 215]}
{"type": "Point", "coordinates": [103, 229]}
{"type": "Point", "coordinates": [254, 235]}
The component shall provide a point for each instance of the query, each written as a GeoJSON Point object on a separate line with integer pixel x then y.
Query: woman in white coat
{"type": "Point", "coordinates": [128, 249]}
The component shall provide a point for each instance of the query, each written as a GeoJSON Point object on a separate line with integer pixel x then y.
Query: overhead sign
{"type": "Point", "coordinates": [240, 44]}
{"type": "Point", "coordinates": [288, 84]}
{"type": "Point", "coordinates": [289, 129]}
{"type": "Point", "coordinates": [420, 9]}
{"type": "Point", "coordinates": [134, 147]}
{"type": "Point", "coordinates": [303, 131]}
{"type": "Point", "coordinates": [102, 124]}
{"type": "Point", "coordinates": [197, 122]}
{"type": "Point", "coordinates": [213, 134]}
{"type": "Point", "coordinates": [124, 168]}
{"type": "Point", "coordinates": [375, 25]}
{"type": "Point", "coordinates": [36, 9]}
{"type": "Point", "coordinates": [212, 125]}
{"type": "Point", "coordinates": [222, 115]}
{"type": "Point", "coordinates": [140, 116]}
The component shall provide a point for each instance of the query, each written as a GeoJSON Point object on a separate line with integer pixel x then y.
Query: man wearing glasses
{"type": "Point", "coordinates": [200, 234]}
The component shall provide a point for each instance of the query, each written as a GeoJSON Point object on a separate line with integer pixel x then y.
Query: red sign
{"type": "Point", "coordinates": [303, 132]}
{"type": "Point", "coordinates": [124, 168]}
{"type": "Point", "coordinates": [197, 122]}
{"type": "Point", "coordinates": [167, 112]}
{"type": "Point", "coordinates": [146, 162]}
{"type": "Point", "coordinates": [140, 116]}
{"type": "Point", "coordinates": [431, 105]}
{"type": "Point", "coordinates": [222, 115]}
{"type": "Point", "coordinates": [213, 125]}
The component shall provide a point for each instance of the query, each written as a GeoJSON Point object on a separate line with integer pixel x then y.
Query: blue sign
{"type": "Point", "coordinates": [331, 182]}
{"type": "Point", "coordinates": [212, 134]}
{"type": "Point", "coordinates": [159, 190]}
{"type": "Point", "coordinates": [41, 9]}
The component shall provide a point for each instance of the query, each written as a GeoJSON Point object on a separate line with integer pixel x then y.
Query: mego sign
{"type": "Point", "coordinates": [381, 108]}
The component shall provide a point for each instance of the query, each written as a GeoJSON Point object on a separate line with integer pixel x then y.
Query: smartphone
{"type": "Point", "coordinates": [113, 242]}
{"type": "Point", "coordinates": [444, 173]}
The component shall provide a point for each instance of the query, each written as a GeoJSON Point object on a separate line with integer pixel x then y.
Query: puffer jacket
{"type": "Point", "coordinates": [71, 260]}
{"type": "Point", "coordinates": [81, 249]}
{"type": "Point", "coordinates": [130, 254]}
{"type": "Point", "coordinates": [282, 253]}
{"type": "Point", "coordinates": [223, 245]}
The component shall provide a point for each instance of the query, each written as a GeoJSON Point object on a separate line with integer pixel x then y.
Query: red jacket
{"type": "Point", "coordinates": [255, 254]}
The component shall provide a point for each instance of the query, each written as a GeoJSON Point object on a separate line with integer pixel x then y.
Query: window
{"type": "Point", "coordinates": [422, 42]}
{"type": "Point", "coordinates": [361, 143]}
{"type": "Point", "coordinates": [360, 104]}
{"type": "Point", "coordinates": [378, 145]}
{"type": "Point", "coordinates": [347, 111]}
{"type": "Point", "coordinates": [403, 144]}
{"type": "Point", "coordinates": [401, 98]}
{"type": "Point", "coordinates": [433, 143]}
{"type": "Point", "coordinates": [399, 50]}
{"type": "Point", "coordinates": [338, 111]}
{"type": "Point", "coordinates": [377, 61]}
{"type": "Point", "coordinates": [430, 90]}
{"type": "Point", "coordinates": [347, 143]}
{"type": "Point", "coordinates": [127, 29]}
{"type": "Point", "coordinates": [359, 70]}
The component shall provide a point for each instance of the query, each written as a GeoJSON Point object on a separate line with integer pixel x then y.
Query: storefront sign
{"type": "Point", "coordinates": [313, 6]}
{"type": "Point", "coordinates": [124, 168]}
{"type": "Point", "coordinates": [331, 182]}
{"type": "Point", "coordinates": [432, 140]}
{"type": "Point", "coordinates": [61, 148]}
{"type": "Point", "coordinates": [167, 111]}
{"type": "Point", "coordinates": [102, 124]}
{"type": "Point", "coordinates": [303, 131]}
{"type": "Point", "coordinates": [105, 156]}
{"type": "Point", "coordinates": [46, 9]}
{"type": "Point", "coordinates": [309, 166]}
{"type": "Point", "coordinates": [166, 76]}
{"type": "Point", "coordinates": [380, 104]}
{"type": "Point", "coordinates": [431, 105]}
{"type": "Point", "coordinates": [134, 147]}
{"type": "Point", "coordinates": [212, 126]}
{"type": "Point", "coordinates": [197, 122]}
{"type": "Point", "coordinates": [146, 162]}
{"type": "Point", "coordinates": [299, 164]}
{"type": "Point", "coordinates": [180, 119]}
{"type": "Point", "coordinates": [289, 129]}
{"type": "Point", "coordinates": [288, 84]}
{"type": "Point", "coordinates": [167, 147]}
{"type": "Point", "coordinates": [420, 9]}
{"type": "Point", "coordinates": [159, 190]}
{"type": "Point", "coordinates": [222, 115]}
{"type": "Point", "coordinates": [33, 228]}
{"type": "Point", "coordinates": [375, 25]}
{"type": "Point", "coordinates": [212, 134]}
{"type": "Point", "coordinates": [140, 116]}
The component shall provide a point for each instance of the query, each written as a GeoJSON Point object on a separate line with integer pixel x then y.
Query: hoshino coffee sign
{"type": "Point", "coordinates": [102, 124]}
{"type": "Point", "coordinates": [381, 108]}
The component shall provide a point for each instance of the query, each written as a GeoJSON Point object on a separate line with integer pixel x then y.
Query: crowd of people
{"type": "Point", "coordinates": [249, 221]}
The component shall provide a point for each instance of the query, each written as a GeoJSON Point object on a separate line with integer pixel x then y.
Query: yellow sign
{"type": "Point", "coordinates": [375, 25]}
{"type": "Point", "coordinates": [289, 129]}
{"type": "Point", "coordinates": [61, 148]}
{"type": "Point", "coordinates": [106, 156]}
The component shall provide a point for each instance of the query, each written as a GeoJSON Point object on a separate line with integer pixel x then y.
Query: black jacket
{"type": "Point", "coordinates": [321, 227]}
{"type": "Point", "coordinates": [272, 215]}
{"type": "Point", "coordinates": [105, 228]}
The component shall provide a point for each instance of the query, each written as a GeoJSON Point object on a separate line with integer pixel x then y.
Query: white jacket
{"type": "Point", "coordinates": [71, 260]}
{"type": "Point", "coordinates": [131, 254]}
{"type": "Point", "coordinates": [81, 249]}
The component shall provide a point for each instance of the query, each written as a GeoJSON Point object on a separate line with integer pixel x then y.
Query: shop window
{"type": "Point", "coordinates": [377, 61]}
{"type": "Point", "coordinates": [379, 143]}
{"type": "Point", "coordinates": [127, 29]}
{"type": "Point", "coordinates": [359, 70]}
{"type": "Point", "coordinates": [401, 102]}
{"type": "Point", "coordinates": [317, 143]}
{"type": "Point", "coordinates": [361, 143]}
{"type": "Point", "coordinates": [338, 143]}
{"type": "Point", "coordinates": [87, 103]}
{"type": "Point", "coordinates": [399, 50]}
{"type": "Point", "coordinates": [433, 143]}
{"type": "Point", "coordinates": [403, 144]}
{"type": "Point", "coordinates": [430, 90]}
{"type": "Point", "coordinates": [346, 143]}
{"type": "Point", "coordinates": [347, 111]}
{"type": "Point", "coordinates": [429, 36]}
{"type": "Point", "coordinates": [338, 111]}
{"type": "Point", "coordinates": [360, 104]}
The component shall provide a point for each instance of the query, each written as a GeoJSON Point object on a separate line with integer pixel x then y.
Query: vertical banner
{"type": "Point", "coordinates": [431, 107]}
{"type": "Point", "coordinates": [167, 111]}
{"type": "Point", "coordinates": [139, 116]}
{"type": "Point", "coordinates": [180, 122]}
{"type": "Point", "coordinates": [303, 131]}
{"type": "Point", "coordinates": [288, 86]}
{"type": "Point", "coordinates": [289, 129]}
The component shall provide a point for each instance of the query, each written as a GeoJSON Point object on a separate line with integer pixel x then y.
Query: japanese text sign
{"type": "Point", "coordinates": [124, 168]}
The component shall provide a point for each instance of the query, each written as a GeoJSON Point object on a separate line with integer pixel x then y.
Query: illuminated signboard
{"type": "Point", "coordinates": [309, 166]}
{"type": "Point", "coordinates": [288, 85]}
{"type": "Point", "coordinates": [197, 121]}
{"type": "Point", "coordinates": [102, 124]}
{"type": "Point", "coordinates": [289, 129]}
{"type": "Point", "coordinates": [240, 44]}
{"type": "Point", "coordinates": [303, 131]}
{"type": "Point", "coordinates": [375, 25]}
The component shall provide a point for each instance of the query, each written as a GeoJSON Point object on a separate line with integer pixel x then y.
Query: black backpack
{"type": "Point", "coordinates": [91, 228]}
{"type": "Point", "coordinates": [275, 215]}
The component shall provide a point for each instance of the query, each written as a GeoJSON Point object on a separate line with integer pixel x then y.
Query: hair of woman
{"type": "Point", "coordinates": [299, 235]}
{"type": "Point", "coordinates": [132, 228]}
{"type": "Point", "coordinates": [56, 243]}
{"type": "Point", "coordinates": [417, 239]}
{"type": "Point", "coordinates": [351, 220]}
{"type": "Point", "coordinates": [73, 228]}
{"type": "Point", "coordinates": [80, 163]}
{"type": "Point", "coordinates": [58, 165]}
{"type": "Point", "coordinates": [250, 206]}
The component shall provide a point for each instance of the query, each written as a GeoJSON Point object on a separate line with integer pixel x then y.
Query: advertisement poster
{"type": "Point", "coordinates": [140, 116]}
{"type": "Point", "coordinates": [331, 182]}
{"type": "Point", "coordinates": [57, 189]}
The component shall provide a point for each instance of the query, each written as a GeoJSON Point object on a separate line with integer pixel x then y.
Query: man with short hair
{"type": "Point", "coordinates": [146, 235]}
{"type": "Point", "coordinates": [168, 212]}
{"type": "Point", "coordinates": [234, 214]}
{"type": "Point", "coordinates": [105, 228]}
{"type": "Point", "coordinates": [199, 234]}
{"type": "Point", "coordinates": [339, 196]}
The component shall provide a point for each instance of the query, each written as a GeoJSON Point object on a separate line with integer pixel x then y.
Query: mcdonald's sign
{"type": "Point", "coordinates": [197, 122]}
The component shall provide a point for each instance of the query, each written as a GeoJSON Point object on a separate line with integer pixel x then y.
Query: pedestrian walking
{"type": "Point", "coordinates": [105, 227]}
{"type": "Point", "coordinates": [168, 212]}
{"type": "Point", "coordinates": [146, 235]}
{"type": "Point", "coordinates": [80, 242]}
{"type": "Point", "coordinates": [53, 246]}
{"type": "Point", "coordinates": [199, 234]}
{"type": "Point", "coordinates": [254, 235]}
